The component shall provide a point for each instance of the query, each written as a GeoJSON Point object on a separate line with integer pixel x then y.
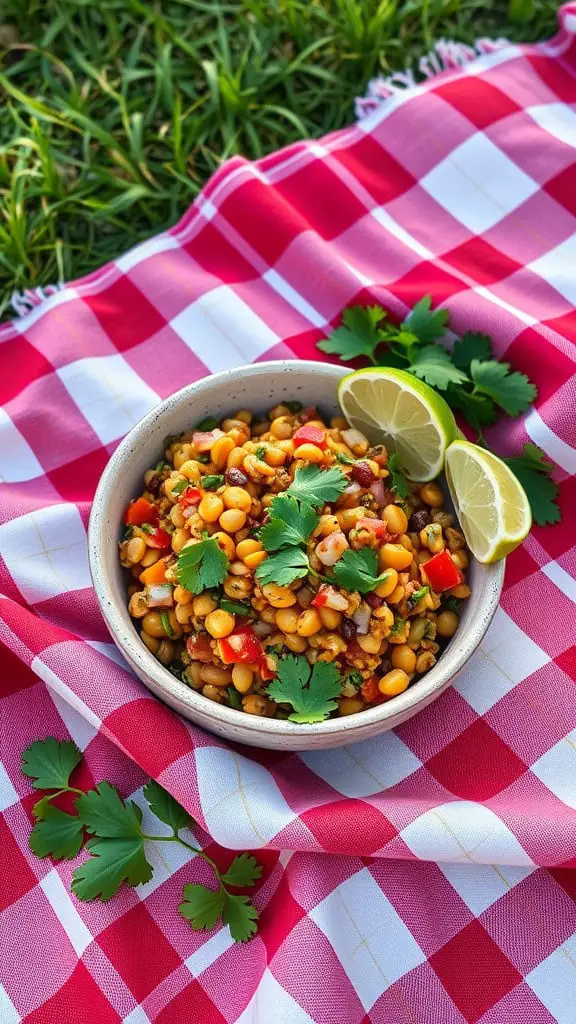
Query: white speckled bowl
{"type": "Point", "coordinates": [257, 387]}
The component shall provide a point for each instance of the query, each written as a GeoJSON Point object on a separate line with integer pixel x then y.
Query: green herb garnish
{"type": "Point", "coordinates": [117, 843]}
{"type": "Point", "coordinates": [260, 452]}
{"type": "Point", "coordinates": [234, 698]}
{"type": "Point", "coordinates": [346, 459]}
{"type": "Point", "coordinates": [202, 566]}
{"type": "Point", "coordinates": [398, 481]}
{"type": "Point", "coordinates": [311, 690]}
{"type": "Point", "coordinates": [317, 486]}
{"type": "Point", "coordinates": [358, 570]}
{"type": "Point", "coordinates": [284, 567]}
{"type": "Point", "coordinates": [212, 481]}
{"type": "Point", "coordinates": [207, 424]}
{"type": "Point", "coordinates": [166, 624]}
{"type": "Point", "coordinates": [146, 528]}
{"type": "Point", "coordinates": [235, 607]}
{"type": "Point", "coordinates": [417, 596]}
{"type": "Point", "coordinates": [291, 523]}
{"type": "Point", "coordinates": [180, 486]}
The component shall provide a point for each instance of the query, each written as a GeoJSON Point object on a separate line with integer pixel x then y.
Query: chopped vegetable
{"type": "Point", "coordinates": [158, 538]}
{"type": "Point", "coordinates": [204, 439]}
{"type": "Point", "coordinates": [329, 597]}
{"type": "Point", "coordinates": [398, 481]}
{"type": "Point", "coordinates": [190, 498]}
{"type": "Point", "coordinates": [159, 595]}
{"type": "Point", "coordinates": [441, 572]}
{"type": "Point", "coordinates": [309, 435]}
{"type": "Point", "coordinates": [141, 511]}
{"type": "Point", "coordinates": [155, 573]}
{"type": "Point", "coordinates": [242, 647]}
{"type": "Point", "coordinates": [212, 481]}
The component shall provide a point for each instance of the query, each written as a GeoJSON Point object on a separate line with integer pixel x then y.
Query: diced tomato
{"type": "Point", "coordinates": [241, 647]}
{"type": "Point", "coordinates": [309, 435]}
{"type": "Point", "coordinates": [265, 672]}
{"type": "Point", "coordinates": [375, 525]}
{"type": "Point", "coordinates": [310, 413]}
{"type": "Point", "coordinates": [198, 647]}
{"type": "Point", "coordinates": [159, 538]}
{"type": "Point", "coordinates": [441, 572]}
{"type": "Point", "coordinates": [204, 439]}
{"type": "Point", "coordinates": [141, 511]}
{"type": "Point", "coordinates": [190, 497]}
{"type": "Point", "coordinates": [155, 573]}
{"type": "Point", "coordinates": [328, 597]}
{"type": "Point", "coordinates": [370, 691]}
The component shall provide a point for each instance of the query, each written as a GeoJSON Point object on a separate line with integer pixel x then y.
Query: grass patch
{"type": "Point", "coordinates": [114, 114]}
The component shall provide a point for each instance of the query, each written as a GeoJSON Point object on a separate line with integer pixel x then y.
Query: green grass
{"type": "Point", "coordinates": [113, 115]}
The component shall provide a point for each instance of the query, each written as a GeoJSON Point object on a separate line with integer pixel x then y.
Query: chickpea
{"type": "Point", "coordinates": [348, 517]}
{"type": "Point", "coordinates": [432, 495]}
{"type": "Point", "coordinates": [232, 519]}
{"type": "Point", "coordinates": [417, 632]}
{"type": "Point", "coordinates": [396, 596]}
{"type": "Point", "coordinates": [462, 591]}
{"type": "Point", "coordinates": [287, 619]}
{"type": "Point", "coordinates": [386, 614]}
{"type": "Point", "coordinates": [260, 428]}
{"type": "Point", "coordinates": [215, 676]}
{"type": "Point", "coordinates": [395, 519]}
{"type": "Point", "coordinates": [238, 568]}
{"type": "Point", "coordinates": [135, 550]}
{"type": "Point", "coordinates": [237, 497]}
{"type": "Point", "coordinates": [278, 597]}
{"type": "Point", "coordinates": [310, 453]}
{"type": "Point", "coordinates": [191, 471]}
{"type": "Point", "coordinates": [247, 547]}
{"type": "Point", "coordinates": [236, 458]}
{"type": "Point", "coordinates": [225, 543]}
{"type": "Point", "coordinates": [153, 625]}
{"type": "Point", "coordinates": [220, 451]}
{"type": "Point", "coordinates": [203, 605]}
{"type": "Point", "coordinates": [388, 586]}
{"type": "Point", "coordinates": [460, 559]}
{"type": "Point", "coordinates": [184, 613]}
{"type": "Point", "coordinates": [350, 705]}
{"type": "Point", "coordinates": [237, 587]}
{"type": "Point", "coordinates": [369, 643]}
{"type": "Point", "coordinates": [422, 556]}
{"type": "Point", "coordinates": [179, 538]}
{"type": "Point", "coordinates": [213, 693]}
{"type": "Point", "coordinates": [165, 652]}
{"type": "Point", "coordinates": [181, 455]}
{"type": "Point", "coordinates": [403, 657]}
{"type": "Point", "coordinates": [255, 559]}
{"type": "Point", "coordinates": [244, 415]}
{"type": "Point", "coordinates": [431, 538]}
{"type": "Point", "coordinates": [295, 643]}
{"type": "Point", "coordinates": [326, 525]}
{"type": "Point", "coordinates": [138, 606]}
{"type": "Point", "coordinates": [281, 428]}
{"type": "Point", "coordinates": [181, 595]}
{"type": "Point", "coordinates": [177, 516]}
{"type": "Point", "coordinates": [219, 624]}
{"type": "Point", "coordinates": [152, 555]}
{"type": "Point", "coordinates": [275, 456]}
{"type": "Point", "coordinates": [211, 507]}
{"type": "Point", "coordinates": [394, 682]}
{"type": "Point", "coordinates": [256, 704]}
{"type": "Point", "coordinates": [288, 447]}
{"type": "Point", "coordinates": [447, 623]}
{"type": "Point", "coordinates": [192, 675]}
{"type": "Point", "coordinates": [330, 618]}
{"type": "Point", "coordinates": [309, 623]}
{"type": "Point", "coordinates": [242, 678]}
{"type": "Point", "coordinates": [151, 642]}
{"type": "Point", "coordinates": [425, 661]}
{"type": "Point", "coordinates": [394, 556]}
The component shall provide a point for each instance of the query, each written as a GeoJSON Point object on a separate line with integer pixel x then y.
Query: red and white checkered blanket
{"type": "Point", "coordinates": [426, 876]}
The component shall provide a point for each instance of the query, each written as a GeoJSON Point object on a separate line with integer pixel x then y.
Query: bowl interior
{"type": "Point", "coordinates": [257, 387]}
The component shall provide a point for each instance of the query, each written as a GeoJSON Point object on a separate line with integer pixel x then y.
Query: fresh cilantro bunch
{"type": "Point", "coordinates": [470, 379]}
{"type": "Point", "coordinates": [310, 689]}
{"type": "Point", "coordinates": [117, 844]}
{"type": "Point", "coordinates": [293, 519]}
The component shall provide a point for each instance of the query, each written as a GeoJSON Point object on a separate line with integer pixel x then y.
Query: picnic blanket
{"type": "Point", "coordinates": [426, 876]}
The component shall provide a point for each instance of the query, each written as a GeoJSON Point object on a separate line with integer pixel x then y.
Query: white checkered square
{"type": "Point", "coordinates": [557, 119]}
{"type": "Point", "coordinates": [557, 268]}
{"type": "Point", "coordinates": [109, 394]}
{"type": "Point", "coordinates": [61, 902]}
{"type": "Point", "coordinates": [478, 184]}
{"type": "Point", "coordinates": [293, 298]}
{"type": "Point", "coordinates": [557, 449]}
{"type": "Point", "coordinates": [242, 804]}
{"type": "Point", "coordinates": [222, 330]}
{"type": "Point", "coordinates": [272, 1003]}
{"type": "Point", "coordinates": [464, 832]}
{"type": "Point", "coordinates": [137, 1016]}
{"type": "Point", "coordinates": [363, 769]}
{"type": "Point", "coordinates": [8, 1012]}
{"type": "Point", "coordinates": [371, 941]}
{"type": "Point", "coordinates": [206, 954]}
{"type": "Point", "coordinates": [8, 795]}
{"type": "Point", "coordinates": [554, 982]}
{"type": "Point", "coordinates": [165, 858]}
{"type": "Point", "coordinates": [45, 552]}
{"type": "Point", "coordinates": [17, 460]}
{"type": "Point", "coordinates": [557, 769]}
{"type": "Point", "coordinates": [480, 885]}
{"type": "Point", "coordinates": [143, 252]}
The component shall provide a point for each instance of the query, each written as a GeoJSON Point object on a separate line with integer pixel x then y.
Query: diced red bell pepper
{"type": "Point", "coordinates": [242, 647]}
{"type": "Point", "coordinates": [191, 496]}
{"type": "Point", "coordinates": [159, 538]}
{"type": "Point", "coordinates": [265, 672]}
{"type": "Point", "coordinates": [328, 597]}
{"type": "Point", "coordinates": [370, 691]}
{"type": "Point", "coordinates": [141, 511]}
{"type": "Point", "coordinates": [309, 435]}
{"type": "Point", "coordinates": [199, 648]}
{"type": "Point", "coordinates": [375, 525]}
{"type": "Point", "coordinates": [441, 572]}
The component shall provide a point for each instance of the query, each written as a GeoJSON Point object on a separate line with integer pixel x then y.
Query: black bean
{"type": "Point", "coordinates": [348, 629]}
{"type": "Point", "coordinates": [235, 477]}
{"type": "Point", "coordinates": [362, 473]}
{"type": "Point", "coordinates": [373, 600]}
{"type": "Point", "coordinates": [418, 520]}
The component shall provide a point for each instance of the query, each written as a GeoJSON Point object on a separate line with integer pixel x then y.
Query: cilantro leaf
{"type": "Point", "coordinates": [180, 486]}
{"type": "Point", "coordinates": [310, 692]}
{"type": "Point", "coordinates": [165, 807]}
{"type": "Point", "coordinates": [113, 861]}
{"type": "Point", "coordinates": [202, 906]}
{"type": "Point", "coordinates": [236, 607]}
{"type": "Point", "coordinates": [479, 410]}
{"type": "Point", "coordinates": [241, 916]}
{"type": "Point", "coordinates": [283, 568]}
{"type": "Point", "coordinates": [533, 471]}
{"type": "Point", "coordinates": [512, 391]}
{"type": "Point", "coordinates": [358, 570]}
{"type": "Point", "coordinates": [234, 698]}
{"type": "Point", "coordinates": [202, 566]}
{"type": "Point", "coordinates": [359, 336]}
{"type": "Point", "coordinates": [212, 481]}
{"type": "Point", "coordinates": [471, 346]}
{"type": "Point", "coordinates": [207, 424]}
{"type": "Point", "coordinates": [317, 486]}
{"type": "Point", "coordinates": [433, 364]}
{"type": "Point", "coordinates": [398, 481]}
{"type": "Point", "coordinates": [50, 762]}
{"type": "Point", "coordinates": [346, 459]}
{"type": "Point", "coordinates": [106, 815]}
{"type": "Point", "coordinates": [57, 834]}
{"type": "Point", "coordinates": [243, 871]}
{"type": "Point", "coordinates": [291, 523]}
{"type": "Point", "coordinates": [425, 324]}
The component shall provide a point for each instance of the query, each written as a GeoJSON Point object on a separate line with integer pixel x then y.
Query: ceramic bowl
{"type": "Point", "coordinates": [259, 387]}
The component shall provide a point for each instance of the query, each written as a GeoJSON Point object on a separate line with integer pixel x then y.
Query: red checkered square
{"type": "Point", "coordinates": [376, 169]}
{"type": "Point", "coordinates": [477, 764]}
{"type": "Point", "coordinates": [21, 365]}
{"type": "Point", "coordinates": [318, 195]}
{"type": "Point", "coordinates": [481, 261]}
{"type": "Point", "coordinates": [77, 480]}
{"type": "Point", "coordinates": [20, 879]}
{"type": "Point", "coordinates": [481, 102]}
{"type": "Point", "coordinates": [366, 829]}
{"type": "Point", "coordinates": [111, 306]}
{"type": "Point", "coordinates": [212, 251]}
{"type": "Point", "coordinates": [79, 1000]}
{"type": "Point", "coordinates": [417, 282]}
{"type": "Point", "coordinates": [468, 957]}
{"type": "Point", "coordinates": [192, 999]}
{"type": "Point", "coordinates": [139, 951]}
{"type": "Point", "coordinates": [155, 720]}
{"type": "Point", "coordinates": [561, 188]}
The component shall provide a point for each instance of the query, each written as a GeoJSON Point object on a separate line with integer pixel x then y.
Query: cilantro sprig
{"type": "Point", "coordinates": [358, 570]}
{"type": "Point", "coordinates": [398, 481]}
{"type": "Point", "coordinates": [470, 379]}
{"type": "Point", "coordinates": [117, 843]}
{"type": "Point", "coordinates": [202, 566]}
{"type": "Point", "coordinates": [310, 689]}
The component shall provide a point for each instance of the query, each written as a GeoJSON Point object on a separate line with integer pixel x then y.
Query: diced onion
{"type": "Point", "coordinates": [353, 437]}
{"type": "Point", "coordinates": [159, 595]}
{"type": "Point", "coordinates": [204, 439]}
{"type": "Point", "coordinates": [379, 493]}
{"type": "Point", "coordinates": [362, 618]}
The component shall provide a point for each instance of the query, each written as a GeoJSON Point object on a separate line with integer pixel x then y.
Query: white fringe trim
{"type": "Point", "coordinates": [24, 302]}
{"type": "Point", "coordinates": [446, 55]}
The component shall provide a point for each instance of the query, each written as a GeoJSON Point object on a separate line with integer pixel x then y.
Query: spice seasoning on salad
{"type": "Point", "coordinates": [285, 568]}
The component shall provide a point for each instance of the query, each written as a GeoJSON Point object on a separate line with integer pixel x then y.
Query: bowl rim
{"type": "Point", "coordinates": [416, 697]}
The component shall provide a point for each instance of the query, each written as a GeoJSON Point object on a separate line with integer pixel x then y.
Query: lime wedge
{"type": "Point", "coordinates": [490, 502]}
{"type": "Point", "coordinates": [394, 408]}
